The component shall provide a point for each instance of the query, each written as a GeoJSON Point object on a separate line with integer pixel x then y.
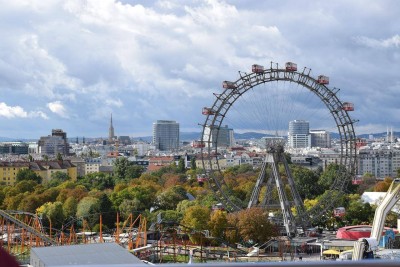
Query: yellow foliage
{"type": "Point", "coordinates": [310, 203]}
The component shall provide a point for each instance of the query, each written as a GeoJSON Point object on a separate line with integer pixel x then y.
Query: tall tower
{"type": "Point", "coordinates": [166, 135]}
{"type": "Point", "coordinates": [111, 131]}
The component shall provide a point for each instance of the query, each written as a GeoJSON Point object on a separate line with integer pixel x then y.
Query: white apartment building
{"type": "Point", "coordinates": [92, 165]}
{"type": "Point", "coordinates": [381, 161]}
{"type": "Point", "coordinates": [234, 160]}
{"type": "Point", "coordinates": [142, 148]}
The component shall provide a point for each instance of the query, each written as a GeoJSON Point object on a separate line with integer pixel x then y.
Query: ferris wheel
{"type": "Point", "coordinates": [264, 101]}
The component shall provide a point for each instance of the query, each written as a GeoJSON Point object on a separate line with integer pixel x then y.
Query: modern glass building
{"type": "Point", "coordinates": [299, 134]}
{"type": "Point", "coordinates": [166, 135]}
{"type": "Point", "coordinates": [18, 148]}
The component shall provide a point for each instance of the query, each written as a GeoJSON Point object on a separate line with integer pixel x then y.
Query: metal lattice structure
{"type": "Point", "coordinates": [275, 155]}
{"type": "Point", "coordinates": [216, 114]}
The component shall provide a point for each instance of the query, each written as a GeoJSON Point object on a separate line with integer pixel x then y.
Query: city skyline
{"type": "Point", "coordinates": [70, 64]}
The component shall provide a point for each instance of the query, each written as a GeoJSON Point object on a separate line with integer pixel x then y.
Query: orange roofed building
{"type": "Point", "coordinates": [156, 163]}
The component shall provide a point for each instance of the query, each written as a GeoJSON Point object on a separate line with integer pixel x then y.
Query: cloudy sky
{"type": "Point", "coordinates": [69, 64]}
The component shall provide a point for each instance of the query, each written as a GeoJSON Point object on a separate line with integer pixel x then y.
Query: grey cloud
{"type": "Point", "coordinates": [146, 60]}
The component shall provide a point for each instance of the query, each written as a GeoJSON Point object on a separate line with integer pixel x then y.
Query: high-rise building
{"type": "Point", "coordinates": [299, 134]}
{"type": "Point", "coordinates": [320, 138]}
{"type": "Point", "coordinates": [54, 144]}
{"type": "Point", "coordinates": [166, 135]}
{"type": "Point", "coordinates": [111, 134]}
{"type": "Point", "coordinates": [223, 138]}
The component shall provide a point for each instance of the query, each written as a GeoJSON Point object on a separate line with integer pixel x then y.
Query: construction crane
{"type": "Point", "coordinates": [365, 248]}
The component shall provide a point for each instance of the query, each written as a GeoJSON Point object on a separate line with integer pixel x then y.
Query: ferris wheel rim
{"type": "Point", "coordinates": [234, 90]}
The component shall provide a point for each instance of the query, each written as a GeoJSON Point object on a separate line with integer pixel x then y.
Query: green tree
{"type": "Point", "coordinates": [12, 202]}
{"type": "Point", "coordinates": [134, 171]}
{"type": "Point", "coordinates": [306, 182]}
{"type": "Point", "coordinates": [196, 217]}
{"type": "Point", "coordinates": [169, 199]}
{"type": "Point", "coordinates": [328, 176]}
{"type": "Point", "coordinates": [57, 178]}
{"type": "Point", "coordinates": [129, 206]}
{"type": "Point", "coordinates": [253, 225]}
{"type": "Point", "coordinates": [59, 156]}
{"type": "Point", "coordinates": [181, 165]}
{"type": "Point", "coordinates": [97, 180]}
{"type": "Point", "coordinates": [27, 174]}
{"type": "Point", "coordinates": [89, 209]}
{"type": "Point", "coordinates": [145, 195]}
{"type": "Point", "coordinates": [25, 186]}
{"type": "Point", "coordinates": [193, 163]}
{"type": "Point", "coordinates": [107, 210]}
{"type": "Point", "coordinates": [359, 212]}
{"type": "Point", "coordinates": [2, 197]}
{"type": "Point", "coordinates": [29, 203]}
{"type": "Point", "coordinates": [184, 205]}
{"type": "Point", "coordinates": [121, 168]}
{"type": "Point", "coordinates": [52, 211]}
{"type": "Point", "coordinates": [171, 216]}
{"type": "Point", "coordinates": [331, 173]}
{"type": "Point", "coordinates": [218, 223]}
{"type": "Point", "coordinates": [70, 207]}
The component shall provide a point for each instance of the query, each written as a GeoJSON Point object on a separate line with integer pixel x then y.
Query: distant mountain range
{"type": "Point", "coordinates": [8, 139]}
{"type": "Point", "coordinates": [190, 136]}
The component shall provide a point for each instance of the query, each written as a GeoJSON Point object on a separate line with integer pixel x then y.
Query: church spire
{"type": "Point", "coordinates": [111, 131]}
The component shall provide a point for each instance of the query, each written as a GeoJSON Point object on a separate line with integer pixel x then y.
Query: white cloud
{"type": "Point", "coordinates": [12, 112]}
{"type": "Point", "coordinates": [18, 112]}
{"type": "Point", "coordinates": [114, 102]}
{"type": "Point", "coordinates": [58, 108]}
{"type": "Point", "coordinates": [40, 114]}
{"type": "Point", "coordinates": [392, 42]}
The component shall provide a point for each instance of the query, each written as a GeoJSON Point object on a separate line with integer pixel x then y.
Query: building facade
{"type": "Point", "coordinates": [320, 138]}
{"type": "Point", "coordinates": [381, 161]}
{"type": "Point", "coordinates": [54, 144]}
{"type": "Point", "coordinates": [45, 169]}
{"type": "Point", "coordinates": [222, 137]}
{"type": "Point", "coordinates": [166, 135]}
{"type": "Point", "coordinates": [299, 134]}
{"type": "Point", "coordinates": [9, 170]}
{"type": "Point", "coordinates": [92, 165]}
{"type": "Point", "coordinates": [16, 148]}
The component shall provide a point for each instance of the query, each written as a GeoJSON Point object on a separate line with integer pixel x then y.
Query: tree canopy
{"type": "Point", "coordinates": [27, 174]}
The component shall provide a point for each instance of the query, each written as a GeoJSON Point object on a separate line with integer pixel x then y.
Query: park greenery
{"type": "Point", "coordinates": [175, 192]}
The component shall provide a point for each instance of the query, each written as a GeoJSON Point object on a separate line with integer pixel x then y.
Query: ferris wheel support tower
{"type": "Point", "coordinates": [275, 155]}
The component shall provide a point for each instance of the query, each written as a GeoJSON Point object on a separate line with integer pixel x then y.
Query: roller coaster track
{"type": "Point", "coordinates": [47, 240]}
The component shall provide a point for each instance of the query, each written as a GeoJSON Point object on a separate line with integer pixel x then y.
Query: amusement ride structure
{"type": "Point", "coordinates": [278, 80]}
